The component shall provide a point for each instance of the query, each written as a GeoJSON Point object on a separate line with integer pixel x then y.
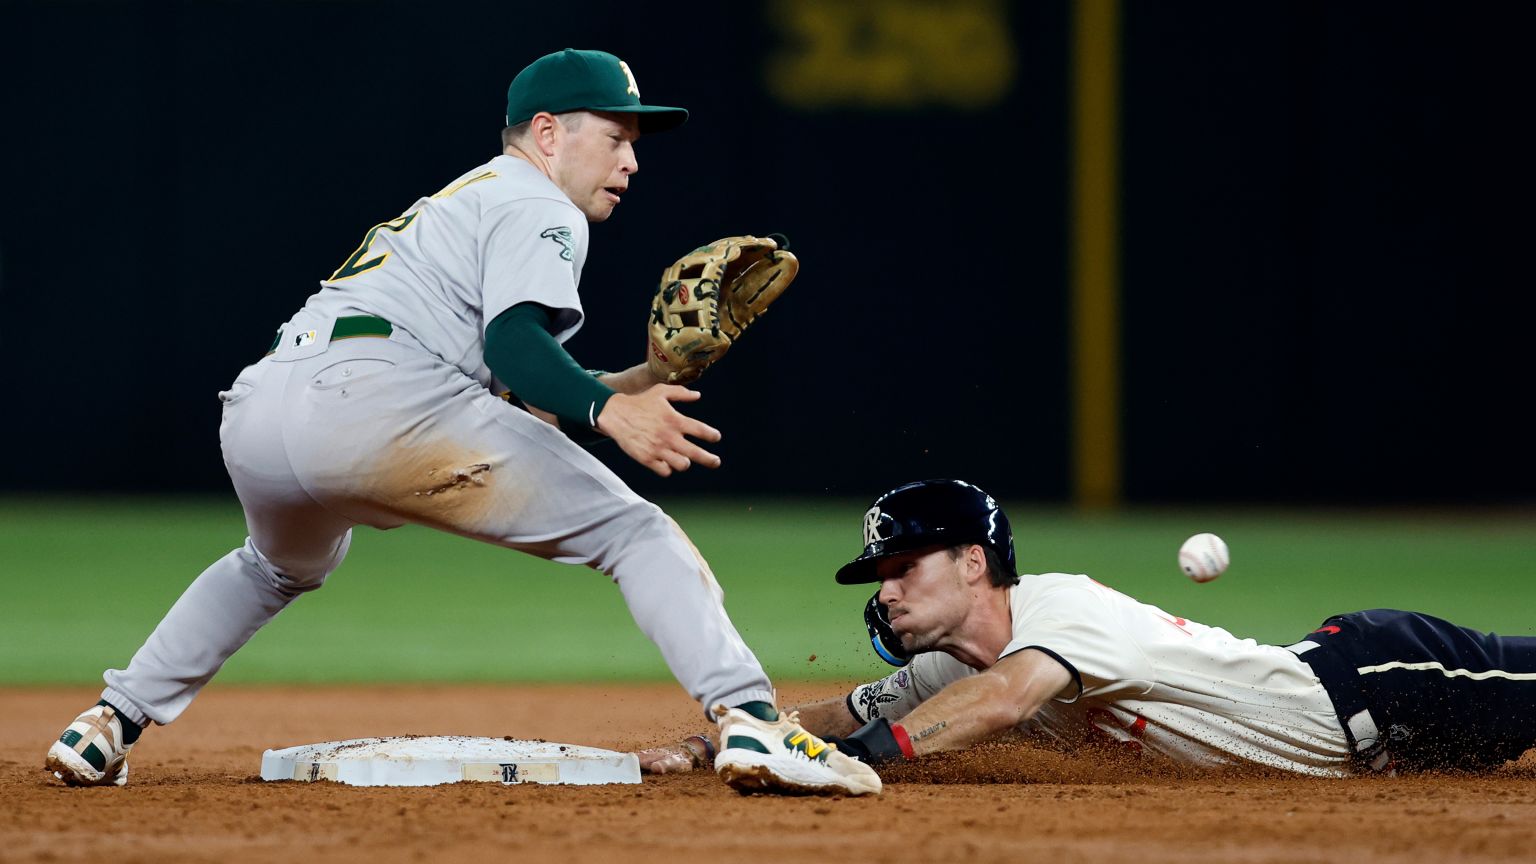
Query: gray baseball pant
{"type": "Point", "coordinates": [377, 432]}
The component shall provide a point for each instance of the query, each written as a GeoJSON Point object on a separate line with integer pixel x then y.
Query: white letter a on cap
{"type": "Point", "coordinates": [633, 87]}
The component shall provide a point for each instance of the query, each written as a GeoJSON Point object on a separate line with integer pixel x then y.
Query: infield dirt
{"type": "Point", "coordinates": [195, 796]}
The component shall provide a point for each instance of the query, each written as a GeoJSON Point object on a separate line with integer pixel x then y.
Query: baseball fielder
{"type": "Point", "coordinates": [376, 405]}
{"type": "Point", "coordinates": [1066, 660]}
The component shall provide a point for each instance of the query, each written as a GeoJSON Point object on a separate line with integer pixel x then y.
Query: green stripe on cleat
{"type": "Point", "coordinates": [95, 757]}
{"type": "Point", "coordinates": [743, 742]}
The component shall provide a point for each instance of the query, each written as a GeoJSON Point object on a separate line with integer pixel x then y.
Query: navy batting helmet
{"type": "Point", "coordinates": [930, 513]}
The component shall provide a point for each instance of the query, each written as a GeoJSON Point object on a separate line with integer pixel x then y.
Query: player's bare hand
{"type": "Point", "coordinates": [671, 759]}
{"type": "Point", "coordinates": [686, 755]}
{"type": "Point", "coordinates": [652, 432]}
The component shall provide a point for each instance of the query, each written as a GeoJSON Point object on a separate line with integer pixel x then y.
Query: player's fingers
{"type": "Point", "coordinates": [671, 763]}
{"type": "Point", "coordinates": [700, 430]}
{"type": "Point", "coordinates": [677, 393]}
{"type": "Point", "coordinates": [699, 456]}
{"type": "Point", "coordinates": [652, 762]}
{"type": "Point", "coordinates": [660, 466]}
{"type": "Point", "coordinates": [677, 460]}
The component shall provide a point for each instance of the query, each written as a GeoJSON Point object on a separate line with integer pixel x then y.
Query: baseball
{"type": "Point", "coordinates": [1203, 557]}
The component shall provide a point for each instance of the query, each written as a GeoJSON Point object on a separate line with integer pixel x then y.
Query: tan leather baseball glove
{"type": "Point", "coordinates": [709, 297]}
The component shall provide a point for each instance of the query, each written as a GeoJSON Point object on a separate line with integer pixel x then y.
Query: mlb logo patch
{"type": "Point", "coordinates": [305, 338]}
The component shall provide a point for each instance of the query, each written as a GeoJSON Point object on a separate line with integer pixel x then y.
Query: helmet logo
{"type": "Point", "coordinates": [872, 526]}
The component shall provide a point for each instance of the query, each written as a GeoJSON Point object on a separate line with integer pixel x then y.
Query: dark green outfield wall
{"type": "Point", "coordinates": [417, 605]}
{"type": "Point", "coordinates": [1325, 211]}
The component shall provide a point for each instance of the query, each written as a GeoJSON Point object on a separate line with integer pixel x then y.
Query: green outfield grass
{"type": "Point", "coordinates": [85, 581]}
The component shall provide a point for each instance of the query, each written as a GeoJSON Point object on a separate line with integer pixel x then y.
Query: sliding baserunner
{"type": "Point", "coordinates": [1066, 660]}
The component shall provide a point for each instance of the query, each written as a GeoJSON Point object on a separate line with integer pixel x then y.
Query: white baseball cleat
{"type": "Point", "coordinates": [780, 756]}
{"type": "Point", "coordinates": [91, 751]}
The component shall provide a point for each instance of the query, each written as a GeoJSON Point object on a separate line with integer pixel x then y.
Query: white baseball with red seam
{"type": "Point", "coordinates": [1203, 557]}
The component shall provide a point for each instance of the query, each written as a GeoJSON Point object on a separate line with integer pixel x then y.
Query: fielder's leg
{"type": "Point", "coordinates": [453, 457]}
{"type": "Point", "coordinates": [293, 545]}
{"type": "Point", "coordinates": [386, 435]}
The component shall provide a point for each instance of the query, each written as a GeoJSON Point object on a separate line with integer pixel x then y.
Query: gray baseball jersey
{"type": "Point", "coordinates": [1149, 680]}
{"type": "Point", "coordinates": [499, 235]}
{"type": "Point", "coordinates": [325, 434]}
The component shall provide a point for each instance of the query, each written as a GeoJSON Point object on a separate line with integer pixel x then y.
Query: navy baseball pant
{"type": "Point", "coordinates": [1416, 692]}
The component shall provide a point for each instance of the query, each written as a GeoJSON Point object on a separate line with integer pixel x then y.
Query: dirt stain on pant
{"type": "Point", "coordinates": [455, 479]}
{"type": "Point", "coordinates": [705, 573]}
{"type": "Point", "coordinates": [442, 486]}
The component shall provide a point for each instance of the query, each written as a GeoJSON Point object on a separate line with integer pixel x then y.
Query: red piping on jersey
{"type": "Point", "coordinates": [1100, 721]}
{"type": "Point", "coordinates": [1177, 623]}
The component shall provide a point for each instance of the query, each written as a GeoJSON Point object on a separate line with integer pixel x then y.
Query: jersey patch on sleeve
{"type": "Point", "coordinates": [561, 234]}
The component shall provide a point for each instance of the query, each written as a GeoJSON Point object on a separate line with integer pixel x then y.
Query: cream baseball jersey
{"type": "Point", "coordinates": [500, 235]}
{"type": "Point", "coordinates": [1148, 679]}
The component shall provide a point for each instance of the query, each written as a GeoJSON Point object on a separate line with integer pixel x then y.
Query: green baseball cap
{"type": "Point", "coordinates": [573, 80]}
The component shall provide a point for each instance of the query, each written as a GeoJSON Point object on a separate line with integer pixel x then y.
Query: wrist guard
{"type": "Point", "coordinates": [701, 750]}
{"type": "Point", "coordinates": [877, 741]}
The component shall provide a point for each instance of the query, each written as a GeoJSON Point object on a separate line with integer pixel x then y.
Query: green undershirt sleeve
{"type": "Point", "coordinates": [521, 352]}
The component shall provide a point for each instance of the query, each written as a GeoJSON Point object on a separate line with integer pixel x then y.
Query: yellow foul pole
{"type": "Point", "coordinates": [1095, 262]}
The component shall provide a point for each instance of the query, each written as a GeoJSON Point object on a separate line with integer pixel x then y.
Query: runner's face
{"type": "Point", "coordinates": [594, 161]}
{"type": "Point", "coordinates": [925, 594]}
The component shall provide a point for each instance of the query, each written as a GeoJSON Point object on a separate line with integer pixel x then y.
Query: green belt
{"type": "Point", "coordinates": [347, 327]}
